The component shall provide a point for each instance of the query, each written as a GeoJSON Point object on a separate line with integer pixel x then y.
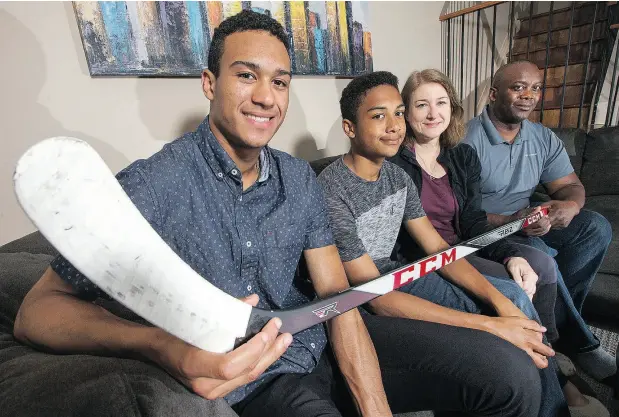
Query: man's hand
{"type": "Point", "coordinates": [539, 228]}
{"type": "Point", "coordinates": [561, 212]}
{"type": "Point", "coordinates": [522, 273]}
{"type": "Point", "coordinates": [214, 375]}
{"type": "Point", "coordinates": [524, 333]}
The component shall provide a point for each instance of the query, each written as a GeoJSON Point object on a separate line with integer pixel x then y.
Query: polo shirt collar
{"type": "Point", "coordinates": [493, 134]}
{"type": "Point", "coordinates": [219, 160]}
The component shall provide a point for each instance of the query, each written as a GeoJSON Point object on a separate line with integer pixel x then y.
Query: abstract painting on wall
{"type": "Point", "coordinates": [172, 38]}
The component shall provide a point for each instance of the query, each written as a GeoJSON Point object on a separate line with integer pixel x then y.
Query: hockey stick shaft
{"type": "Point", "coordinates": [298, 319]}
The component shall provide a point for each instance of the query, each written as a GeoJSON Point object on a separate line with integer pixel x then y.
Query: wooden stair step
{"type": "Point", "coordinates": [573, 74]}
{"type": "Point", "coordinates": [580, 34]}
{"type": "Point", "coordinates": [552, 96]}
{"type": "Point", "coordinates": [570, 117]}
{"type": "Point", "coordinates": [559, 83]}
{"type": "Point", "coordinates": [557, 55]}
{"type": "Point", "coordinates": [540, 30]}
{"type": "Point", "coordinates": [565, 106]}
{"type": "Point", "coordinates": [561, 19]}
{"type": "Point", "coordinates": [566, 10]}
{"type": "Point", "coordinates": [573, 45]}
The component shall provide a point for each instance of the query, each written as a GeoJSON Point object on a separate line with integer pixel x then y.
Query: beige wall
{"type": "Point", "coordinates": [46, 91]}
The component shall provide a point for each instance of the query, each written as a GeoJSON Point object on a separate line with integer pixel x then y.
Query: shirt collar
{"type": "Point", "coordinates": [493, 134]}
{"type": "Point", "coordinates": [219, 160]}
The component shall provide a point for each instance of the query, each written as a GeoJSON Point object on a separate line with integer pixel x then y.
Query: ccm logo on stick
{"type": "Point", "coordinates": [410, 273]}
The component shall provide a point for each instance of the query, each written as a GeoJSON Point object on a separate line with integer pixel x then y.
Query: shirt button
{"type": "Point", "coordinates": [249, 288]}
{"type": "Point", "coordinates": [240, 198]}
{"type": "Point", "coordinates": [248, 244]}
{"type": "Point", "coordinates": [234, 172]}
{"type": "Point", "coordinates": [220, 175]}
{"type": "Point", "coordinates": [313, 345]}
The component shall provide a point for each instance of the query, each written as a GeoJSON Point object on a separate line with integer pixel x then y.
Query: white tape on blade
{"type": "Point", "coordinates": [76, 202]}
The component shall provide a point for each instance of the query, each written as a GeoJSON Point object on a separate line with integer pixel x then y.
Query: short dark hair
{"type": "Point", "coordinates": [242, 22]}
{"type": "Point", "coordinates": [356, 90]}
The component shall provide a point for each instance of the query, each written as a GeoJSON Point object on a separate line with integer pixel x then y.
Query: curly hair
{"type": "Point", "coordinates": [455, 131]}
{"type": "Point", "coordinates": [356, 90]}
{"type": "Point", "coordinates": [242, 22]}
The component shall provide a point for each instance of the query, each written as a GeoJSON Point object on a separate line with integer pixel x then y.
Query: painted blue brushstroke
{"type": "Point", "coordinates": [320, 50]}
{"type": "Point", "coordinates": [261, 10]}
{"type": "Point", "coordinates": [196, 33]}
{"type": "Point", "coordinates": [118, 29]}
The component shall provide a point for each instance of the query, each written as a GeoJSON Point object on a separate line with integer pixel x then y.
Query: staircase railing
{"type": "Point", "coordinates": [479, 37]}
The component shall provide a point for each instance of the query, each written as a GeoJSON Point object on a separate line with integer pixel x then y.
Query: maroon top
{"type": "Point", "coordinates": [440, 204]}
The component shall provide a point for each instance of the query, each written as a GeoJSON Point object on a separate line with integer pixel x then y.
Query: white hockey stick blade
{"type": "Point", "coordinates": [74, 199]}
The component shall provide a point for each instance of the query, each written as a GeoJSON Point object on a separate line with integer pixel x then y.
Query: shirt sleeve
{"type": "Point", "coordinates": [557, 164]}
{"type": "Point", "coordinates": [413, 209]}
{"type": "Point", "coordinates": [343, 226]}
{"type": "Point", "coordinates": [140, 192]}
{"type": "Point", "coordinates": [318, 233]}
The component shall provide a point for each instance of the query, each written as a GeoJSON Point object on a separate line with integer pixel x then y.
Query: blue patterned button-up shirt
{"type": "Point", "coordinates": [243, 242]}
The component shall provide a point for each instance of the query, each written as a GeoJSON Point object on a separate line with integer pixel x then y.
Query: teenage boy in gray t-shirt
{"type": "Point", "coordinates": [369, 199]}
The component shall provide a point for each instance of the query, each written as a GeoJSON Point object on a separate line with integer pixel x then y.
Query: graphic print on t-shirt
{"type": "Point", "coordinates": [378, 228]}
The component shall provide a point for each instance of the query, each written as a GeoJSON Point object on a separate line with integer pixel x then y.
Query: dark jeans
{"type": "Point", "coordinates": [580, 249]}
{"type": "Point", "coordinates": [545, 296]}
{"type": "Point", "coordinates": [440, 291]}
{"type": "Point", "coordinates": [424, 366]}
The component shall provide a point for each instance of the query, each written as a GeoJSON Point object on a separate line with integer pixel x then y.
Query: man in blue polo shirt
{"type": "Point", "coordinates": [516, 155]}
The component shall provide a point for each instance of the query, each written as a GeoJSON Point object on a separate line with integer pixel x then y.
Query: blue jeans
{"type": "Point", "coordinates": [579, 250]}
{"type": "Point", "coordinates": [440, 291]}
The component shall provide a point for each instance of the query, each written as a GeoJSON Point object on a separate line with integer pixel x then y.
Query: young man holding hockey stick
{"type": "Point", "coordinates": [240, 214]}
{"type": "Point", "coordinates": [368, 199]}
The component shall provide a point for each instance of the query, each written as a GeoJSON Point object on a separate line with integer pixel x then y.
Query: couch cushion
{"type": "Point", "coordinates": [602, 303]}
{"type": "Point", "coordinates": [40, 384]}
{"type": "Point", "coordinates": [32, 243]}
{"type": "Point", "coordinates": [18, 273]}
{"type": "Point", "coordinates": [600, 169]}
{"type": "Point", "coordinates": [34, 383]}
{"type": "Point", "coordinates": [608, 206]}
{"type": "Point", "coordinates": [574, 141]}
{"type": "Point", "coordinates": [320, 164]}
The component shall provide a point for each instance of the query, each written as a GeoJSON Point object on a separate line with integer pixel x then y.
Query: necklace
{"type": "Point", "coordinates": [425, 166]}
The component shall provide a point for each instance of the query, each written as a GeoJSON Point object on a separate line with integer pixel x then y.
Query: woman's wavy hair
{"type": "Point", "coordinates": [455, 131]}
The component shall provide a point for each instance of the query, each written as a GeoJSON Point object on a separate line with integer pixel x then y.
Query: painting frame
{"type": "Point", "coordinates": [171, 39]}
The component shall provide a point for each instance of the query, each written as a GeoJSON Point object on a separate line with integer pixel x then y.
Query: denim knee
{"type": "Point", "coordinates": [599, 228]}
{"type": "Point", "coordinates": [516, 295]}
{"type": "Point", "coordinates": [544, 266]}
{"type": "Point", "coordinates": [526, 306]}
